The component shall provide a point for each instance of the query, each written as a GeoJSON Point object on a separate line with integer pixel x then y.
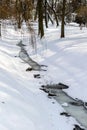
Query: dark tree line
{"type": "Point", "coordinates": [45, 11]}
{"type": "Point", "coordinates": [18, 10]}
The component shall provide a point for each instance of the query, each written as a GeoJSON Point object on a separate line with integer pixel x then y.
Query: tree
{"type": "Point", "coordinates": [63, 17]}
{"type": "Point", "coordinates": [46, 15]}
{"type": "Point", "coordinates": [52, 10]}
{"type": "Point", "coordinates": [40, 18]}
{"type": "Point", "coordinates": [4, 11]}
{"type": "Point", "coordinates": [48, 10]}
{"type": "Point", "coordinates": [22, 11]}
{"type": "Point", "coordinates": [82, 15]}
{"type": "Point", "coordinates": [18, 10]}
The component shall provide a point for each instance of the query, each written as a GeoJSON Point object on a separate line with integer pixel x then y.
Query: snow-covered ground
{"type": "Point", "coordinates": [23, 105]}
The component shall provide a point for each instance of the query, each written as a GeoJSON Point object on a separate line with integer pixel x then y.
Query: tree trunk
{"type": "Point", "coordinates": [40, 18]}
{"type": "Point", "coordinates": [0, 29]}
{"type": "Point", "coordinates": [55, 15]}
{"type": "Point", "coordinates": [46, 15]}
{"type": "Point", "coordinates": [63, 22]}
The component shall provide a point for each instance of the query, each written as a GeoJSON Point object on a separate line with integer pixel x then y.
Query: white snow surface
{"type": "Point", "coordinates": [23, 106]}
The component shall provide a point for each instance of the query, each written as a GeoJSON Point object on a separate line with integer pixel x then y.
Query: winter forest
{"type": "Point", "coordinates": [43, 64]}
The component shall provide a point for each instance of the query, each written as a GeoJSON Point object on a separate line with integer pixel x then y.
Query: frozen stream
{"type": "Point", "coordinates": [79, 112]}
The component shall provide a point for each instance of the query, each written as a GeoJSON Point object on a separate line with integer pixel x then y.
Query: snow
{"type": "Point", "coordinates": [65, 104]}
{"type": "Point", "coordinates": [23, 105]}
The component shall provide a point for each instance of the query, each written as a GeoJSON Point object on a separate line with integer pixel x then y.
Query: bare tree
{"type": "Point", "coordinates": [46, 15]}
{"type": "Point", "coordinates": [63, 17]}
{"type": "Point", "coordinates": [22, 11]}
{"type": "Point", "coordinates": [40, 18]}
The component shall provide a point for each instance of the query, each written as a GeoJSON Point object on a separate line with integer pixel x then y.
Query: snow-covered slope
{"type": "Point", "coordinates": [68, 64]}
{"type": "Point", "coordinates": [23, 105]}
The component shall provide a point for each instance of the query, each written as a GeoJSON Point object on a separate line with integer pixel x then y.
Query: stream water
{"type": "Point", "coordinates": [77, 111]}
